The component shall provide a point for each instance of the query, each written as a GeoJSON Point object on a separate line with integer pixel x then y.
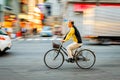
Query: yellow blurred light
{"type": "Point", "coordinates": [41, 1]}
{"type": "Point", "coordinates": [37, 10]}
{"type": "Point", "coordinates": [23, 16]}
{"type": "Point", "coordinates": [30, 17]}
{"type": "Point", "coordinates": [37, 21]}
{"type": "Point", "coordinates": [12, 16]}
{"type": "Point", "coordinates": [37, 14]}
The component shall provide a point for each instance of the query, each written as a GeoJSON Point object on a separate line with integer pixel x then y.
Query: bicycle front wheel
{"type": "Point", "coordinates": [53, 59]}
{"type": "Point", "coordinates": [85, 58]}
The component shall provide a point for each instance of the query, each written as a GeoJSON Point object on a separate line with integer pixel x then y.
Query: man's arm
{"type": "Point", "coordinates": [71, 32]}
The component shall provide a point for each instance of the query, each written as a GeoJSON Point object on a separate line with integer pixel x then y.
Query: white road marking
{"type": "Point", "coordinates": [37, 39]}
{"type": "Point", "coordinates": [29, 39]}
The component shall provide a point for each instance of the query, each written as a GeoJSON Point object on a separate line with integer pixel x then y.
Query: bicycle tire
{"type": "Point", "coordinates": [50, 56]}
{"type": "Point", "coordinates": [84, 59]}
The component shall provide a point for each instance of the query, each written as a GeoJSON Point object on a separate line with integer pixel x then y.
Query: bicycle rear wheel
{"type": "Point", "coordinates": [53, 59]}
{"type": "Point", "coordinates": [85, 59]}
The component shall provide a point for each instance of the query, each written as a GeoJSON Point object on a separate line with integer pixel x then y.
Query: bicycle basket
{"type": "Point", "coordinates": [55, 45]}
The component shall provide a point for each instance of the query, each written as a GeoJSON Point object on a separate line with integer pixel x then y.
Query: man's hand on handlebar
{"type": "Point", "coordinates": [62, 41]}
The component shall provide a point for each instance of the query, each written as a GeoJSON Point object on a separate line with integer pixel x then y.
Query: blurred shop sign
{"type": "Point", "coordinates": [81, 7]}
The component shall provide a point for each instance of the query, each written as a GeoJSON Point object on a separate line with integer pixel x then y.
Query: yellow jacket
{"type": "Point", "coordinates": [74, 35]}
{"type": "Point", "coordinates": [71, 34]}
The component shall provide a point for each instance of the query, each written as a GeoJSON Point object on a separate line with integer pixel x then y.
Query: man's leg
{"type": "Point", "coordinates": [70, 49]}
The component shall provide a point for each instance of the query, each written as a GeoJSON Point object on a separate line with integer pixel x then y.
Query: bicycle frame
{"type": "Point", "coordinates": [77, 56]}
{"type": "Point", "coordinates": [62, 49]}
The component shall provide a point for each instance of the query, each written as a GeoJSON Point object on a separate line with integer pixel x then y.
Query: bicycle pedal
{"type": "Point", "coordinates": [87, 59]}
{"type": "Point", "coordinates": [70, 60]}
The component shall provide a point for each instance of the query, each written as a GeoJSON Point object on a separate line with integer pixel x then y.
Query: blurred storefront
{"type": "Point", "coordinates": [9, 10]}
{"type": "Point", "coordinates": [18, 14]}
{"type": "Point", "coordinates": [10, 23]}
{"type": "Point", "coordinates": [31, 16]}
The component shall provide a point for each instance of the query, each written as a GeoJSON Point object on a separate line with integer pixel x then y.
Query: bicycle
{"type": "Point", "coordinates": [55, 58]}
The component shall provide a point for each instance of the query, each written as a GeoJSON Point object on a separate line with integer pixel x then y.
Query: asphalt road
{"type": "Point", "coordinates": [25, 62]}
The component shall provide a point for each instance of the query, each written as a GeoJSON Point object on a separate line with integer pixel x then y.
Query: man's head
{"type": "Point", "coordinates": [70, 24]}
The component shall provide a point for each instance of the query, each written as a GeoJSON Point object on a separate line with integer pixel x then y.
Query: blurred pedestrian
{"type": "Point", "coordinates": [23, 30]}
{"type": "Point", "coordinates": [35, 31]}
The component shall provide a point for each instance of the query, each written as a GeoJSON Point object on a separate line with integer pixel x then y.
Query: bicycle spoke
{"type": "Point", "coordinates": [53, 59]}
{"type": "Point", "coordinates": [87, 59]}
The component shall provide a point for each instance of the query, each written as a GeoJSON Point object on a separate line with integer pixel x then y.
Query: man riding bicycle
{"type": "Point", "coordinates": [76, 38]}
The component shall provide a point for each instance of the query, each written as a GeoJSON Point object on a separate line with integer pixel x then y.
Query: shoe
{"type": "Point", "coordinates": [71, 60]}
{"type": "Point", "coordinates": [77, 58]}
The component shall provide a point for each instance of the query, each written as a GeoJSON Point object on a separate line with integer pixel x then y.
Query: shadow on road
{"type": "Point", "coordinates": [102, 44]}
{"type": "Point", "coordinates": [5, 54]}
{"type": "Point", "coordinates": [110, 65]}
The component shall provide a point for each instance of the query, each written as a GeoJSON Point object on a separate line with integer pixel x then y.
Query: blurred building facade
{"type": "Point", "coordinates": [31, 15]}
{"type": "Point", "coordinates": [9, 10]}
{"type": "Point", "coordinates": [19, 14]}
{"type": "Point", "coordinates": [52, 11]}
{"type": "Point", "coordinates": [75, 10]}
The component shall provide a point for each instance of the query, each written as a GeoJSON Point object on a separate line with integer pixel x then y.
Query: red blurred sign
{"type": "Point", "coordinates": [80, 7]}
{"type": "Point", "coordinates": [111, 5]}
